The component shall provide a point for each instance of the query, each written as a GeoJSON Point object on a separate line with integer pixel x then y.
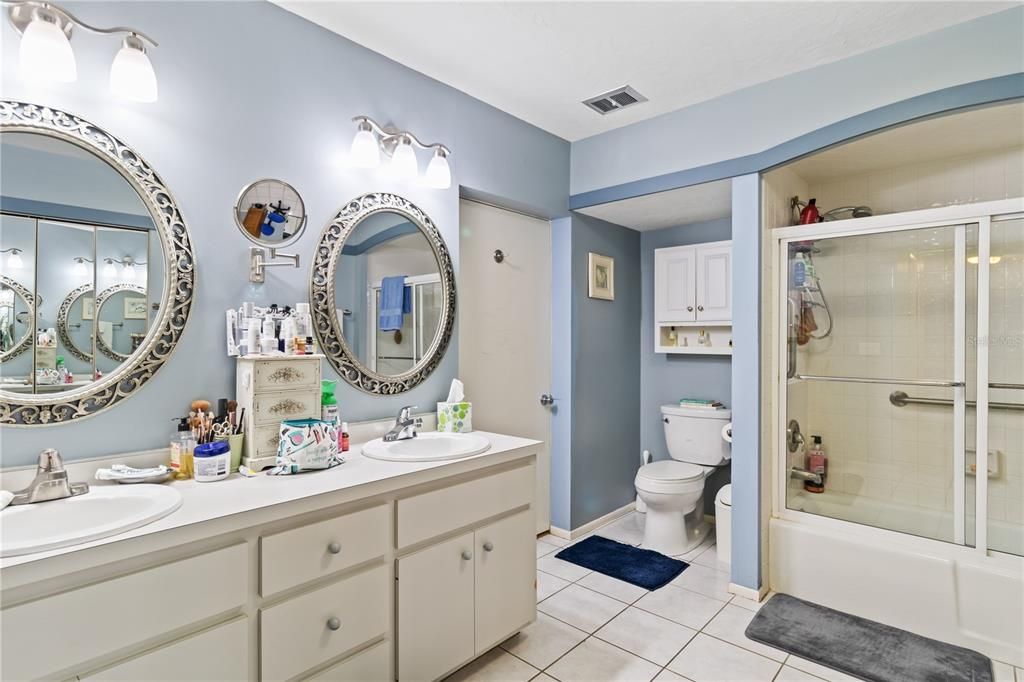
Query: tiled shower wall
{"type": "Point", "coordinates": [970, 179]}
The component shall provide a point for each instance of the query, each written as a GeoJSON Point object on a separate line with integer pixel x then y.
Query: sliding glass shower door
{"type": "Point", "coordinates": [880, 364]}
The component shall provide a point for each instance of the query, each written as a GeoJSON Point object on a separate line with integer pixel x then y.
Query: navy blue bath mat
{"type": "Point", "coordinates": [641, 567]}
{"type": "Point", "coordinates": [861, 647]}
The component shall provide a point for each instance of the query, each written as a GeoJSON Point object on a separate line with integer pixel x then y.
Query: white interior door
{"type": "Point", "coordinates": [505, 329]}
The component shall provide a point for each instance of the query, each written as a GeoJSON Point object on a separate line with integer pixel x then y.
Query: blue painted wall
{"type": "Point", "coordinates": [664, 378]}
{"type": "Point", "coordinates": [606, 372]}
{"type": "Point", "coordinates": [562, 371]}
{"type": "Point", "coordinates": [217, 127]}
{"type": "Point", "coordinates": [753, 119]}
{"type": "Point", "coordinates": [746, 380]}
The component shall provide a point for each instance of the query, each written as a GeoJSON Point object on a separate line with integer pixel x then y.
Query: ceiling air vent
{"type": "Point", "coordinates": [613, 100]}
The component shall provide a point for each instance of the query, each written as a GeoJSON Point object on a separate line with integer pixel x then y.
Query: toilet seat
{"type": "Point", "coordinates": [670, 476]}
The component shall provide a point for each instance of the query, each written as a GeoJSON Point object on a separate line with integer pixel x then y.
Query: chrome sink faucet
{"type": "Point", "coordinates": [51, 481]}
{"type": "Point", "coordinates": [405, 425]}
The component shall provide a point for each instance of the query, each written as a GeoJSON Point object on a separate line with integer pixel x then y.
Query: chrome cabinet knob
{"type": "Point", "coordinates": [488, 546]}
{"type": "Point", "coordinates": [334, 548]}
{"type": "Point", "coordinates": [333, 623]}
{"type": "Point", "coordinates": [689, 308]}
{"type": "Point", "coordinates": [467, 555]}
{"type": "Point", "coordinates": [546, 399]}
{"type": "Point", "coordinates": [700, 307]}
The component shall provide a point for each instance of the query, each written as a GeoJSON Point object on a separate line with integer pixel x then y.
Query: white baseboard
{"type": "Point", "coordinates": [593, 525]}
{"type": "Point", "coordinates": [748, 593]}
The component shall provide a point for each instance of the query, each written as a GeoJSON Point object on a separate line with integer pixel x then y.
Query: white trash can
{"type": "Point", "coordinates": [723, 524]}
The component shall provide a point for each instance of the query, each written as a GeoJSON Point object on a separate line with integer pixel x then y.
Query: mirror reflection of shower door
{"type": "Point", "coordinates": [395, 352]}
{"type": "Point", "coordinates": [880, 333]}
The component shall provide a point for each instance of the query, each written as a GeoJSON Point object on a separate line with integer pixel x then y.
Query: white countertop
{"type": "Point", "coordinates": [236, 496]}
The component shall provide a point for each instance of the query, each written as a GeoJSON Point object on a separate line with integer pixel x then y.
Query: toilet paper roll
{"type": "Point", "coordinates": [727, 433]}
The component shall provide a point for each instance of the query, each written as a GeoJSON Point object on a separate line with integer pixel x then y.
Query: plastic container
{"type": "Point", "coordinates": [183, 444]}
{"type": "Point", "coordinates": [212, 461]}
{"type": "Point", "coordinates": [723, 524]}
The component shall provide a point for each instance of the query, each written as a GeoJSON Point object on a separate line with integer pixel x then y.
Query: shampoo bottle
{"type": "Point", "coordinates": [799, 270]}
{"type": "Point", "coordinates": [817, 463]}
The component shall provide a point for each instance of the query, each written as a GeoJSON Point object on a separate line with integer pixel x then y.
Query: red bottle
{"type": "Point", "coordinates": [809, 215]}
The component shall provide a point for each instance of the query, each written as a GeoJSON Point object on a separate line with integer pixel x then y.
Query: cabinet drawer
{"type": "Point", "coordinates": [287, 375]}
{"type": "Point", "coordinates": [296, 556]}
{"type": "Point", "coordinates": [295, 635]}
{"type": "Point", "coordinates": [370, 665]}
{"type": "Point", "coordinates": [272, 408]}
{"type": "Point", "coordinates": [265, 439]}
{"type": "Point", "coordinates": [439, 511]}
{"type": "Point", "coordinates": [85, 623]}
{"type": "Point", "coordinates": [219, 653]}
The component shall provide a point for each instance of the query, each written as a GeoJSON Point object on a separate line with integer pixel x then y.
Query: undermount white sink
{"type": "Point", "coordinates": [103, 511]}
{"type": "Point", "coordinates": [432, 446]}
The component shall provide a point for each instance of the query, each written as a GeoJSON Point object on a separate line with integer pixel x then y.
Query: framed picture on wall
{"type": "Point", "coordinates": [134, 308]}
{"type": "Point", "coordinates": [88, 307]}
{"type": "Point", "coordinates": [602, 277]}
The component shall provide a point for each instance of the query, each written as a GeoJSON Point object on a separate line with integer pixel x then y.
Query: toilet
{"type": "Point", "coordinates": [673, 489]}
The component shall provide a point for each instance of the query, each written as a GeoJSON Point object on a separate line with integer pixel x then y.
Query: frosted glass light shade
{"type": "Point", "coordinates": [438, 175]}
{"type": "Point", "coordinates": [79, 269]}
{"type": "Point", "coordinates": [132, 75]}
{"type": "Point", "coordinates": [109, 271]}
{"type": "Point", "coordinates": [14, 261]}
{"type": "Point", "coordinates": [365, 151]}
{"type": "Point", "coordinates": [129, 272]}
{"type": "Point", "coordinates": [45, 54]}
{"type": "Point", "coordinates": [403, 162]}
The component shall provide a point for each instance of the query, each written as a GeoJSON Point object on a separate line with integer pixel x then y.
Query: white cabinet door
{"type": "Point", "coordinates": [506, 595]}
{"type": "Point", "coordinates": [714, 283]}
{"type": "Point", "coordinates": [674, 299]}
{"type": "Point", "coordinates": [435, 609]}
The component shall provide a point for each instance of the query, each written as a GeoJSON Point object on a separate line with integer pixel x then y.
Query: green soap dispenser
{"type": "Point", "coordinates": [328, 403]}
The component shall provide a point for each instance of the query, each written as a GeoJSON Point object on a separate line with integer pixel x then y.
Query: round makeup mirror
{"type": "Point", "coordinates": [270, 213]}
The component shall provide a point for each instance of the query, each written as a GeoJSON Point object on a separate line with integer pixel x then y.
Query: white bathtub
{"type": "Point", "coordinates": [934, 588]}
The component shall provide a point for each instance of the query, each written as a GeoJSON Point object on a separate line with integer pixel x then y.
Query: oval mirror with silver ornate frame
{"type": "Point", "coordinates": [16, 315]}
{"type": "Point", "coordinates": [176, 280]}
{"type": "Point", "coordinates": [70, 315]}
{"type": "Point", "coordinates": [270, 213]}
{"type": "Point", "coordinates": [417, 327]}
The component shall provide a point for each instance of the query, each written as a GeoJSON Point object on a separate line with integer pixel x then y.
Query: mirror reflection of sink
{"type": "Point", "coordinates": [430, 446]}
{"type": "Point", "coordinates": [103, 511]}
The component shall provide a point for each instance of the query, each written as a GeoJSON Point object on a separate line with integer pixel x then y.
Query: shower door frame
{"type": "Point", "coordinates": [981, 214]}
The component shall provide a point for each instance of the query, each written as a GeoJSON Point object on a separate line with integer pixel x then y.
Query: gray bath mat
{"type": "Point", "coordinates": [862, 648]}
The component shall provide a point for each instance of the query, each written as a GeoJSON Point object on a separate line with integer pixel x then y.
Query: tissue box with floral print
{"type": "Point", "coordinates": [455, 417]}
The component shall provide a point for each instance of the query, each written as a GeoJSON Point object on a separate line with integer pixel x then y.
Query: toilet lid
{"type": "Point", "coordinates": [671, 470]}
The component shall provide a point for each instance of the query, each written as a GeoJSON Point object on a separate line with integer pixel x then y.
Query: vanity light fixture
{"type": "Point", "coordinates": [127, 270]}
{"type": "Point", "coordinates": [400, 145]}
{"type": "Point", "coordinates": [45, 52]}
{"type": "Point", "coordinates": [13, 260]}
{"type": "Point", "coordinates": [80, 268]}
{"type": "Point", "coordinates": [973, 260]}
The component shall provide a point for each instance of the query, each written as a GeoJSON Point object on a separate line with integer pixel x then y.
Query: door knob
{"type": "Point", "coordinates": [488, 546]}
{"type": "Point", "coordinates": [467, 555]}
{"type": "Point", "coordinates": [546, 399]}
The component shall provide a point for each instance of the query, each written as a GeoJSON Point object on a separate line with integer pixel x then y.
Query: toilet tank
{"type": "Point", "coordinates": [695, 435]}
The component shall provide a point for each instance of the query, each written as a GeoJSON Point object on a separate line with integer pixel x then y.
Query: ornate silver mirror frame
{"type": "Point", "coordinates": [64, 325]}
{"type": "Point", "coordinates": [104, 296]}
{"type": "Point", "coordinates": [25, 342]}
{"type": "Point", "coordinates": [321, 294]}
{"type": "Point", "coordinates": [179, 274]}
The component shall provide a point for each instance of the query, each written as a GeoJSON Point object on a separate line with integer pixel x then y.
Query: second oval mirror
{"type": "Point", "coordinates": [392, 294]}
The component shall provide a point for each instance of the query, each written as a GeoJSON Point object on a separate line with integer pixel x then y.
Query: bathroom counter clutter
{"type": "Point", "coordinates": [317, 575]}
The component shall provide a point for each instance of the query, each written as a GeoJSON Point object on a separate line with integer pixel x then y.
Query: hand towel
{"type": "Point", "coordinates": [392, 303]}
{"type": "Point", "coordinates": [5, 498]}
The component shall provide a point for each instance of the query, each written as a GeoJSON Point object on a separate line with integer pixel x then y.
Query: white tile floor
{"type": "Point", "coordinates": [594, 628]}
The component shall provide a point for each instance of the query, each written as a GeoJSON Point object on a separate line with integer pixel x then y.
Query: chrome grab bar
{"type": "Point", "coordinates": [865, 380]}
{"type": "Point", "coordinates": [791, 343]}
{"type": "Point", "coordinates": [901, 399]}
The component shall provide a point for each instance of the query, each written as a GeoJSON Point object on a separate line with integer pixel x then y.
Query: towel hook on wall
{"type": "Point", "coordinates": [499, 256]}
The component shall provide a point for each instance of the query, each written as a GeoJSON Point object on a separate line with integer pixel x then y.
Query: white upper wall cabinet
{"type": "Point", "coordinates": [693, 284]}
{"type": "Point", "coordinates": [714, 283]}
{"type": "Point", "coordinates": [674, 280]}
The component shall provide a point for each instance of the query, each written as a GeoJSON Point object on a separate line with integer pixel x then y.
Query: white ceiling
{"type": "Point", "coordinates": [539, 60]}
{"type": "Point", "coordinates": [972, 132]}
{"type": "Point", "coordinates": [667, 209]}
